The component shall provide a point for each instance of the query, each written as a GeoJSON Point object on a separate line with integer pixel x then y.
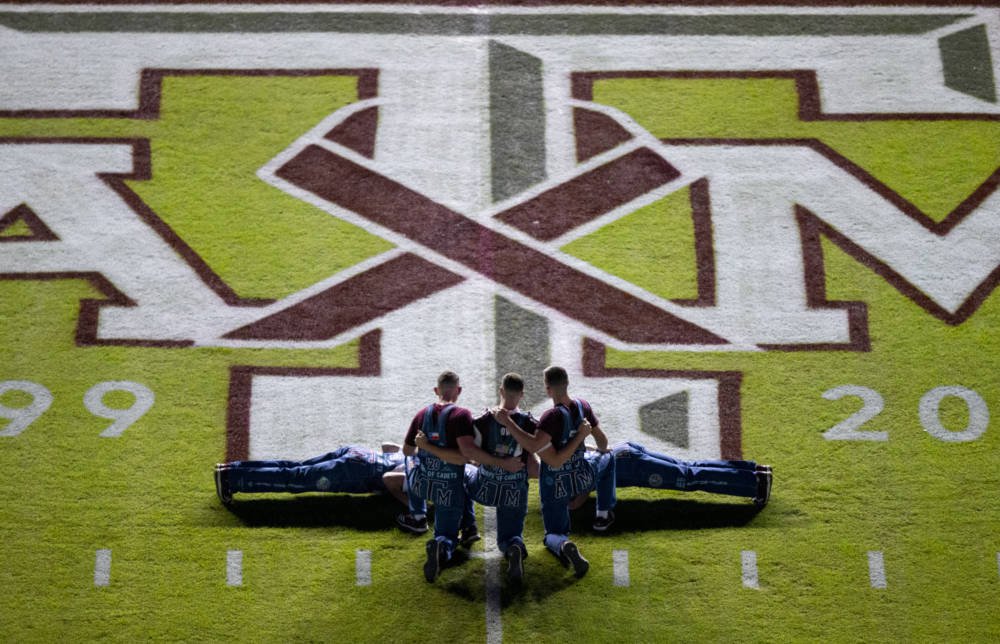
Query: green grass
{"type": "Point", "coordinates": [652, 247]}
{"type": "Point", "coordinates": [18, 229]}
{"type": "Point", "coordinates": [213, 134]}
{"type": "Point", "coordinates": [934, 164]}
{"type": "Point", "coordinates": [928, 504]}
{"type": "Point", "coordinates": [931, 507]}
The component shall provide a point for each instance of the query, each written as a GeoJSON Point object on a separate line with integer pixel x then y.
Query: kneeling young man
{"type": "Point", "coordinates": [566, 471]}
{"type": "Point", "coordinates": [439, 477]}
{"type": "Point", "coordinates": [501, 478]}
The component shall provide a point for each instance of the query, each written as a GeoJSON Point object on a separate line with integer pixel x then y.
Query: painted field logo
{"type": "Point", "coordinates": [547, 193]}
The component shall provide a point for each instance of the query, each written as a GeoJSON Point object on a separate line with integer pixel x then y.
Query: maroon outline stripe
{"type": "Point", "coordinates": [814, 268]}
{"type": "Point", "coordinates": [940, 228]}
{"type": "Point", "coordinates": [810, 109]}
{"type": "Point", "coordinates": [150, 94]}
{"type": "Point", "coordinates": [590, 195]}
{"type": "Point", "coordinates": [814, 256]}
{"type": "Point", "coordinates": [806, 86]}
{"type": "Point", "coordinates": [151, 90]}
{"type": "Point", "coordinates": [812, 227]}
{"type": "Point", "coordinates": [381, 289]}
{"type": "Point", "coordinates": [704, 245]}
{"type": "Point", "coordinates": [357, 132]}
{"type": "Point", "coordinates": [241, 389]}
{"type": "Point", "coordinates": [23, 212]}
{"type": "Point", "coordinates": [499, 258]}
{"type": "Point", "coordinates": [596, 133]}
{"type": "Point", "coordinates": [86, 328]}
{"type": "Point", "coordinates": [541, 3]}
{"type": "Point", "coordinates": [142, 162]}
{"type": "Point", "coordinates": [730, 382]}
{"type": "Point", "coordinates": [142, 170]}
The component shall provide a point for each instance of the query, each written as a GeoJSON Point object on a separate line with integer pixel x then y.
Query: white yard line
{"type": "Point", "coordinates": [876, 569]}
{"type": "Point", "coordinates": [102, 568]}
{"type": "Point", "coordinates": [748, 559]}
{"type": "Point", "coordinates": [494, 627]}
{"type": "Point", "coordinates": [363, 567]}
{"type": "Point", "coordinates": [234, 568]}
{"type": "Point", "coordinates": [620, 559]}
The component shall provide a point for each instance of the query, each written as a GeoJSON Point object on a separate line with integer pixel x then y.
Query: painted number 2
{"type": "Point", "coordinates": [847, 429]}
{"type": "Point", "coordinates": [41, 399]}
{"type": "Point", "coordinates": [929, 413]}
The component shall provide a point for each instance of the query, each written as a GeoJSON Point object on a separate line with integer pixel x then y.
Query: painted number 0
{"type": "Point", "coordinates": [930, 405]}
{"type": "Point", "coordinates": [93, 400]}
{"type": "Point", "coordinates": [930, 417]}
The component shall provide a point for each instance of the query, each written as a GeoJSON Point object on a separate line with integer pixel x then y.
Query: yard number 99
{"type": "Point", "coordinates": [41, 399]}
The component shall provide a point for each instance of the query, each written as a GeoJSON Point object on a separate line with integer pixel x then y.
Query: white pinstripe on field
{"type": "Point", "coordinates": [620, 559]}
{"type": "Point", "coordinates": [234, 568]}
{"type": "Point", "coordinates": [748, 559]}
{"type": "Point", "coordinates": [102, 568]}
{"type": "Point", "coordinates": [876, 569]}
{"type": "Point", "coordinates": [494, 626]}
{"type": "Point", "coordinates": [363, 568]}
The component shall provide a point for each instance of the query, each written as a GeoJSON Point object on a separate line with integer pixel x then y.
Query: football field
{"type": "Point", "coordinates": [261, 231]}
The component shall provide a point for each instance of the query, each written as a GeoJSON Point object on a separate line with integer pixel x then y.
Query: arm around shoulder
{"type": "Point", "coordinates": [530, 442]}
{"type": "Point", "coordinates": [446, 454]}
{"type": "Point", "coordinates": [600, 439]}
{"type": "Point", "coordinates": [472, 452]}
{"type": "Point", "coordinates": [556, 458]}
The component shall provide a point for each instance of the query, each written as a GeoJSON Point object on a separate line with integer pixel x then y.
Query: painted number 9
{"type": "Point", "coordinates": [21, 417]}
{"type": "Point", "coordinates": [93, 400]}
{"type": "Point", "coordinates": [41, 399]}
{"type": "Point", "coordinates": [929, 413]}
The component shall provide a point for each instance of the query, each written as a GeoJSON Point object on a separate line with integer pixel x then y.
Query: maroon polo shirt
{"type": "Point", "coordinates": [551, 421]}
{"type": "Point", "coordinates": [459, 424]}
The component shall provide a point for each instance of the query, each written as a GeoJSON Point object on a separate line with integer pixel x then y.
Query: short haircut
{"type": "Point", "coordinates": [512, 382]}
{"type": "Point", "coordinates": [448, 379]}
{"type": "Point", "coordinates": [555, 377]}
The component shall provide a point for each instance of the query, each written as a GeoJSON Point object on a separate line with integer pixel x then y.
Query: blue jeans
{"type": "Point", "coordinates": [445, 488]}
{"type": "Point", "coordinates": [336, 471]}
{"type": "Point", "coordinates": [637, 466]}
{"type": "Point", "coordinates": [508, 493]}
{"type": "Point", "coordinates": [557, 488]}
{"type": "Point", "coordinates": [418, 504]}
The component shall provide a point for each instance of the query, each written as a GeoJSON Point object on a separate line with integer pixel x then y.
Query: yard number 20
{"type": "Point", "coordinates": [929, 412]}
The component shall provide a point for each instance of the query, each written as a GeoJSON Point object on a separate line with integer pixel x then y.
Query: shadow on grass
{"type": "Point", "coordinates": [543, 576]}
{"type": "Point", "coordinates": [467, 583]}
{"type": "Point", "coordinates": [378, 512]}
{"type": "Point", "coordinates": [357, 511]}
{"type": "Point", "coordinates": [642, 515]}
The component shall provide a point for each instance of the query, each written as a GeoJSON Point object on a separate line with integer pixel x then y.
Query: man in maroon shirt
{"type": "Point", "coordinates": [566, 471]}
{"type": "Point", "coordinates": [500, 478]}
{"type": "Point", "coordinates": [440, 477]}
